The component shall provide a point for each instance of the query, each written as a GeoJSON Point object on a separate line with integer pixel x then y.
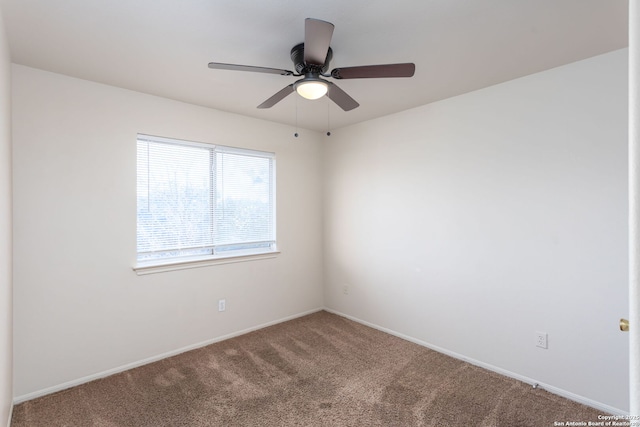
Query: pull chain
{"type": "Point", "coordinates": [296, 106]}
{"type": "Point", "coordinates": [328, 117]}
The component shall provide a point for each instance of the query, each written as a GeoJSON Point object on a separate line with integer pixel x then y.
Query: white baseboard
{"type": "Point", "coordinates": [555, 390]}
{"type": "Point", "coordinates": [109, 372]}
{"type": "Point", "coordinates": [10, 416]}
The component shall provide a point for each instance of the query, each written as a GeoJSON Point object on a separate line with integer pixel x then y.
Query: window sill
{"type": "Point", "coordinates": [152, 267]}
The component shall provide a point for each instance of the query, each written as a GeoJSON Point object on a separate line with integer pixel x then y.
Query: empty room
{"type": "Point", "coordinates": [292, 213]}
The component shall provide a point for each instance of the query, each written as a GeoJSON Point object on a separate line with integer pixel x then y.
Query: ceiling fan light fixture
{"type": "Point", "coordinates": [312, 88]}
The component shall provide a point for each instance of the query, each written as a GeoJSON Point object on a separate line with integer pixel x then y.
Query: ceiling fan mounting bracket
{"type": "Point", "coordinates": [302, 68]}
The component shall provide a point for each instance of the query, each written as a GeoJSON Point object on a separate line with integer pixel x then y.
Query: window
{"type": "Point", "coordinates": [200, 201]}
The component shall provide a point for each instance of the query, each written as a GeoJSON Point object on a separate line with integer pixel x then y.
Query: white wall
{"type": "Point", "coordinates": [6, 340]}
{"type": "Point", "coordinates": [471, 223]}
{"type": "Point", "coordinates": [79, 307]}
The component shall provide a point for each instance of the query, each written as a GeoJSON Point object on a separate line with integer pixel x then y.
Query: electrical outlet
{"type": "Point", "coordinates": [222, 305]}
{"type": "Point", "coordinates": [541, 340]}
{"type": "Point", "coordinates": [345, 289]}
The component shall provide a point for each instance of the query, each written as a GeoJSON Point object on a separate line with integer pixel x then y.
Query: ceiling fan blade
{"type": "Point", "coordinates": [235, 67]}
{"type": "Point", "coordinates": [375, 71]}
{"type": "Point", "coordinates": [279, 96]}
{"type": "Point", "coordinates": [341, 98]}
{"type": "Point", "coordinates": [317, 37]}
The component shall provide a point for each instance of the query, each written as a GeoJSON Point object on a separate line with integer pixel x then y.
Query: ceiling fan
{"type": "Point", "coordinates": [311, 60]}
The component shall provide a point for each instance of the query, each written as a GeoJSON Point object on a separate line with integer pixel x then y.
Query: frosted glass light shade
{"type": "Point", "coordinates": [312, 89]}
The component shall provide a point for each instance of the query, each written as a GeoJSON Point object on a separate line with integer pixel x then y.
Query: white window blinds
{"type": "Point", "coordinates": [199, 200]}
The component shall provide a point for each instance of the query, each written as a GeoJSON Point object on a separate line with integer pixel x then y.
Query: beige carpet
{"type": "Point", "coordinates": [318, 370]}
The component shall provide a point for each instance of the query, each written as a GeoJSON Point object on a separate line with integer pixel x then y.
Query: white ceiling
{"type": "Point", "coordinates": [162, 47]}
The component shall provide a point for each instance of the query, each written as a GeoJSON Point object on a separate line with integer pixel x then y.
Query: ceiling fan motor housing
{"type": "Point", "coordinates": [297, 56]}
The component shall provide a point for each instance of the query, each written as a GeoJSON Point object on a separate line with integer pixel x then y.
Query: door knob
{"type": "Point", "coordinates": [624, 325]}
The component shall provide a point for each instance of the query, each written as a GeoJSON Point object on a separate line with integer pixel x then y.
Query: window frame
{"type": "Point", "coordinates": [157, 265]}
